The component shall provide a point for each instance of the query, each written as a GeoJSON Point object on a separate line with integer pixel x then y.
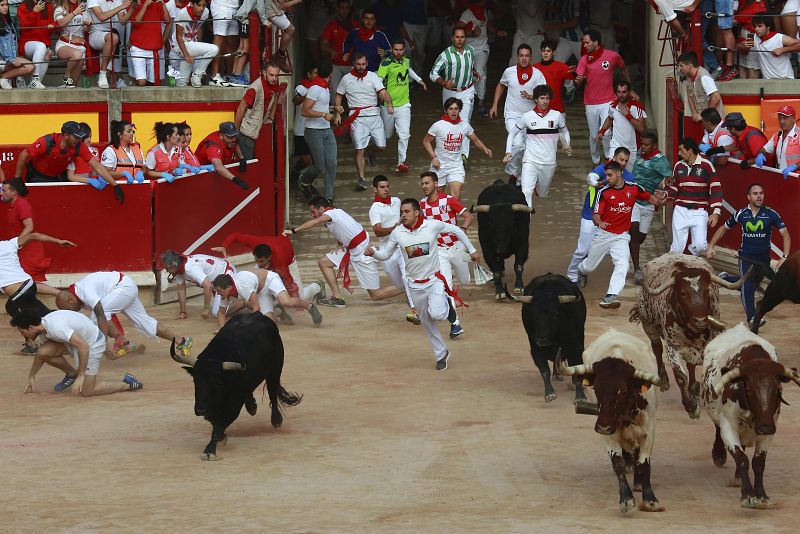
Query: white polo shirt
{"type": "Point", "coordinates": [517, 81]}
{"type": "Point", "coordinates": [541, 136]}
{"type": "Point", "coordinates": [60, 325]}
{"type": "Point", "coordinates": [622, 131]}
{"type": "Point", "coordinates": [361, 92]}
{"type": "Point", "coordinates": [10, 270]}
{"type": "Point", "coordinates": [344, 228]}
{"type": "Point", "coordinates": [387, 215]}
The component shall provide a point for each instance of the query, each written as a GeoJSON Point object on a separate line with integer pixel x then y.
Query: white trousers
{"type": "Point", "coordinates": [124, 298]}
{"type": "Point", "coordinates": [514, 167]}
{"type": "Point", "coordinates": [431, 304]}
{"type": "Point", "coordinates": [141, 64]}
{"type": "Point", "coordinates": [585, 236]}
{"type": "Point", "coordinates": [685, 221]}
{"type": "Point", "coordinates": [536, 176]}
{"type": "Point", "coordinates": [535, 41]}
{"type": "Point", "coordinates": [616, 245]}
{"type": "Point", "coordinates": [467, 97]}
{"type": "Point", "coordinates": [36, 51]}
{"type": "Point", "coordinates": [419, 34]}
{"type": "Point", "coordinates": [481, 59]}
{"type": "Point", "coordinates": [595, 116]}
{"type": "Point", "coordinates": [566, 49]}
{"type": "Point", "coordinates": [454, 259]}
{"type": "Point", "coordinates": [308, 292]}
{"type": "Point", "coordinates": [203, 54]}
{"type": "Point", "coordinates": [395, 269]}
{"type": "Point", "coordinates": [400, 120]}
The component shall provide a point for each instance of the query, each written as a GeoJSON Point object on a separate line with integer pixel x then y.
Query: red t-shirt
{"type": "Point", "coordinates": [282, 254]}
{"type": "Point", "coordinates": [56, 162]}
{"type": "Point", "coordinates": [82, 165]}
{"type": "Point", "coordinates": [555, 73]}
{"type": "Point", "coordinates": [250, 94]}
{"type": "Point", "coordinates": [28, 22]}
{"type": "Point", "coordinates": [20, 210]}
{"type": "Point", "coordinates": [615, 206]}
{"type": "Point", "coordinates": [146, 34]}
{"type": "Point", "coordinates": [31, 256]}
{"type": "Point", "coordinates": [336, 34]}
{"type": "Point", "coordinates": [213, 147]}
{"type": "Point", "coordinates": [599, 86]}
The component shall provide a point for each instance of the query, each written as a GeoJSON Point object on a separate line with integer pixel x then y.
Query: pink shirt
{"type": "Point", "coordinates": [599, 86]}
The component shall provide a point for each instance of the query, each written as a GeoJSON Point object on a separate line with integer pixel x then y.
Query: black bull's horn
{"type": "Point", "coordinates": [527, 299]}
{"type": "Point", "coordinates": [484, 208]}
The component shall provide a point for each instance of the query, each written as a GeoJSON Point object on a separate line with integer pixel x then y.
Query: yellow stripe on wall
{"type": "Point", "coordinates": [25, 128]}
{"type": "Point", "coordinates": [750, 112]}
{"type": "Point", "coordinates": [202, 123]}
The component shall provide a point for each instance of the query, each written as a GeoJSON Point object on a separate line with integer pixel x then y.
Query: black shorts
{"type": "Point", "coordinates": [300, 146]}
{"type": "Point", "coordinates": [24, 300]}
{"type": "Point", "coordinates": [244, 28]}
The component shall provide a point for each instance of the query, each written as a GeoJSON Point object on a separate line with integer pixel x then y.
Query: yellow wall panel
{"type": "Point", "coordinates": [25, 128]}
{"type": "Point", "coordinates": [750, 112]}
{"type": "Point", "coordinates": [202, 123]}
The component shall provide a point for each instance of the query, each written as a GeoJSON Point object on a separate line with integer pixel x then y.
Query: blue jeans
{"type": "Point", "coordinates": [322, 145]}
{"type": "Point", "coordinates": [710, 61]}
{"type": "Point", "coordinates": [748, 291]}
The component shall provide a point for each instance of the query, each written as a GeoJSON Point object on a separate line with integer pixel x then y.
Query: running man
{"type": "Point", "coordinates": [612, 215]}
{"type": "Point", "coordinates": [450, 133]}
{"type": "Point", "coordinates": [625, 119]}
{"type": "Point", "coordinates": [452, 255]}
{"type": "Point", "coordinates": [757, 222]}
{"type": "Point", "coordinates": [72, 333]}
{"type": "Point", "coordinates": [353, 241]}
{"type": "Point", "coordinates": [395, 71]}
{"type": "Point", "coordinates": [200, 270]}
{"type": "Point", "coordinates": [417, 239]}
{"type": "Point", "coordinates": [520, 79]}
{"type": "Point", "coordinates": [362, 88]}
{"type": "Point", "coordinates": [541, 128]}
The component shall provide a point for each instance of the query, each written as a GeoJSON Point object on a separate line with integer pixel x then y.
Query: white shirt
{"type": "Point", "coordinates": [449, 138]}
{"type": "Point", "coordinates": [515, 105]}
{"type": "Point", "coordinates": [104, 5]}
{"type": "Point", "coordinates": [387, 215]}
{"type": "Point", "coordinates": [299, 120]}
{"type": "Point", "coordinates": [60, 325]}
{"type": "Point", "coordinates": [191, 27]}
{"type": "Point", "coordinates": [200, 267]}
{"type": "Point", "coordinates": [93, 287]}
{"type": "Point", "coordinates": [344, 228]}
{"type": "Point", "coordinates": [10, 270]}
{"type": "Point", "coordinates": [530, 17]}
{"type": "Point", "coordinates": [361, 92]}
{"type": "Point", "coordinates": [773, 67]}
{"type": "Point", "coordinates": [172, 9]}
{"type": "Point", "coordinates": [718, 138]}
{"type": "Point", "coordinates": [74, 28]}
{"type": "Point", "coordinates": [667, 8]}
{"type": "Point", "coordinates": [109, 157]}
{"type": "Point", "coordinates": [419, 247]}
{"type": "Point", "coordinates": [480, 42]}
{"type": "Point", "coordinates": [782, 141]}
{"type": "Point", "coordinates": [541, 136]}
{"type": "Point", "coordinates": [622, 131]}
{"type": "Point", "coordinates": [245, 283]}
{"type": "Point", "coordinates": [322, 101]}
{"type": "Point", "coordinates": [150, 158]}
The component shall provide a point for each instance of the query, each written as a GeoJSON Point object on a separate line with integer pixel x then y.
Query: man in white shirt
{"type": "Point", "coordinates": [774, 49]}
{"type": "Point", "coordinates": [542, 128]}
{"type": "Point", "coordinates": [450, 134]}
{"type": "Point", "coordinates": [353, 241]}
{"type": "Point", "coordinates": [191, 55]}
{"type": "Point", "coordinates": [530, 28]}
{"type": "Point", "coordinates": [520, 79]}
{"type": "Point", "coordinates": [200, 270]}
{"type": "Point", "coordinates": [417, 240]}
{"type": "Point", "coordinates": [475, 22]}
{"type": "Point", "coordinates": [107, 15]}
{"type": "Point", "coordinates": [717, 140]}
{"type": "Point", "coordinates": [625, 120]}
{"type": "Point", "coordinates": [319, 135]}
{"type": "Point", "coordinates": [667, 9]}
{"type": "Point", "coordinates": [362, 88]}
{"type": "Point", "coordinates": [70, 333]}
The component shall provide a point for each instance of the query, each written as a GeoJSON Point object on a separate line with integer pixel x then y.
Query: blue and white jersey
{"type": "Point", "coordinates": [591, 195]}
{"type": "Point", "coordinates": [566, 10]}
{"type": "Point", "coordinates": [756, 230]}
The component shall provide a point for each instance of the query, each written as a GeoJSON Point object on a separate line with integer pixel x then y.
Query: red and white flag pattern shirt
{"type": "Point", "coordinates": [449, 138]}
{"type": "Point", "coordinates": [445, 209]}
{"type": "Point", "coordinates": [541, 131]}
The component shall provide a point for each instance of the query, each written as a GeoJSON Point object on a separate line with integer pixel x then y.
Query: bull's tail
{"type": "Point", "coordinates": [289, 399]}
{"type": "Point", "coordinates": [635, 315]}
{"type": "Point", "coordinates": [279, 397]}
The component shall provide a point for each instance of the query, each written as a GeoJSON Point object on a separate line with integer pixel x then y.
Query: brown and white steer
{"type": "Point", "coordinates": [622, 370]}
{"type": "Point", "coordinates": [741, 392]}
{"type": "Point", "coordinates": [678, 307]}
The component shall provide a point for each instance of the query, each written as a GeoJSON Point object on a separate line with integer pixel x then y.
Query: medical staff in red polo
{"type": "Point", "coordinates": [220, 148]}
{"type": "Point", "coordinates": [164, 158]}
{"type": "Point", "coordinates": [450, 133]}
{"type": "Point", "coordinates": [353, 241]}
{"type": "Point", "coordinates": [626, 120]}
{"type": "Point", "coordinates": [417, 239]}
{"type": "Point", "coordinates": [541, 129]}
{"type": "Point", "coordinates": [612, 215]}
{"type": "Point", "coordinates": [200, 270]}
{"type": "Point", "coordinates": [785, 143]}
{"type": "Point", "coordinates": [717, 143]}
{"type": "Point", "coordinates": [109, 293]}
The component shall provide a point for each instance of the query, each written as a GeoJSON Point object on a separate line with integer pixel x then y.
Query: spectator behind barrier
{"type": "Point", "coordinates": [74, 21]}
{"type": "Point", "coordinates": [188, 158]}
{"type": "Point", "coordinates": [78, 169]}
{"type": "Point", "coordinates": [13, 66]}
{"type": "Point", "coordinates": [36, 23]}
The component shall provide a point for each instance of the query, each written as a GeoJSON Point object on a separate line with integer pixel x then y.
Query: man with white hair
{"type": "Point", "coordinates": [200, 270]}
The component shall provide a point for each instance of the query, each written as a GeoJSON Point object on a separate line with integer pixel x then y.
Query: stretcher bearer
{"type": "Point", "coordinates": [200, 270]}
{"type": "Point", "coordinates": [417, 240]}
{"type": "Point", "coordinates": [541, 129]}
{"type": "Point", "coordinates": [353, 241]}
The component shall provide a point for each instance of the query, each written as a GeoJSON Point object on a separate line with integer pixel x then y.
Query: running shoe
{"type": "Point", "coordinates": [455, 330]}
{"type": "Point", "coordinates": [321, 295]}
{"type": "Point", "coordinates": [21, 83]}
{"type": "Point", "coordinates": [716, 73]}
{"type": "Point", "coordinates": [583, 279]}
{"type": "Point", "coordinates": [184, 348]}
{"type": "Point", "coordinates": [569, 93]}
{"type": "Point", "coordinates": [29, 350]}
{"type": "Point", "coordinates": [102, 80]}
{"type": "Point", "coordinates": [196, 80]}
{"type": "Point", "coordinates": [132, 381]}
{"type": "Point", "coordinates": [441, 365]}
{"type": "Point", "coordinates": [760, 323]}
{"type": "Point", "coordinates": [283, 315]}
{"type": "Point", "coordinates": [333, 302]}
{"type": "Point", "coordinates": [238, 80]}
{"type": "Point", "coordinates": [5, 84]}
{"type": "Point", "coordinates": [610, 302]}
{"type": "Point", "coordinates": [401, 167]}
{"type": "Point", "coordinates": [638, 278]}
{"type": "Point", "coordinates": [65, 383]}
{"type": "Point", "coordinates": [413, 318]}
{"type": "Point", "coordinates": [316, 316]}
{"type": "Point", "coordinates": [251, 405]}
{"type": "Point", "coordinates": [69, 83]}
{"type": "Point", "coordinates": [361, 184]}
{"type": "Point", "coordinates": [36, 84]}
{"type": "Point", "coordinates": [218, 81]}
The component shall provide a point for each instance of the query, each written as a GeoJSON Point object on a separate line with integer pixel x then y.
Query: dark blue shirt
{"type": "Point", "coordinates": [414, 12]}
{"type": "Point", "coordinates": [390, 17]}
{"type": "Point", "coordinates": [369, 48]}
{"type": "Point", "coordinates": [756, 230]}
{"type": "Point", "coordinates": [591, 195]}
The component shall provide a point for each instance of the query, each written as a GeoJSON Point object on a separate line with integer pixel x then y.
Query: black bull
{"type": "Point", "coordinates": [784, 286]}
{"type": "Point", "coordinates": [245, 352]}
{"type": "Point", "coordinates": [554, 316]}
{"type": "Point", "coordinates": [503, 227]}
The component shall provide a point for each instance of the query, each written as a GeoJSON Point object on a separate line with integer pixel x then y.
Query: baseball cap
{"type": "Point", "coordinates": [787, 110]}
{"type": "Point", "coordinates": [73, 128]}
{"type": "Point", "coordinates": [734, 118]}
{"type": "Point", "coordinates": [229, 129]}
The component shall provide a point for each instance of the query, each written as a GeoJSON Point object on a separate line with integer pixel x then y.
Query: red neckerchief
{"type": "Point", "coordinates": [71, 289]}
{"type": "Point", "coordinates": [192, 15]}
{"type": "Point", "coordinates": [320, 81]}
{"type": "Point", "coordinates": [539, 111]}
{"type": "Point", "coordinates": [769, 36]}
{"type": "Point", "coordinates": [447, 118]}
{"type": "Point", "coordinates": [653, 154]}
{"type": "Point", "coordinates": [387, 200]}
{"type": "Point", "coordinates": [592, 56]}
{"type": "Point", "coordinates": [478, 11]}
{"type": "Point", "coordinates": [524, 74]}
{"type": "Point", "coordinates": [182, 266]}
{"type": "Point", "coordinates": [365, 35]}
{"type": "Point", "coordinates": [354, 73]}
{"type": "Point", "coordinates": [307, 83]}
{"type": "Point", "coordinates": [417, 224]}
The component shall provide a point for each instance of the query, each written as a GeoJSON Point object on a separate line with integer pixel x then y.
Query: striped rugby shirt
{"type": "Point", "coordinates": [451, 65]}
{"type": "Point", "coordinates": [696, 186]}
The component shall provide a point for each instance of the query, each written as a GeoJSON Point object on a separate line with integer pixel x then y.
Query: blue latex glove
{"type": "Point", "coordinates": [97, 183]}
{"type": "Point", "coordinates": [168, 177]}
{"type": "Point", "coordinates": [139, 176]}
{"type": "Point", "coordinates": [128, 176]}
{"type": "Point", "coordinates": [195, 170]}
{"type": "Point", "coordinates": [787, 170]}
{"type": "Point", "coordinates": [208, 167]}
{"type": "Point", "coordinates": [760, 159]}
{"type": "Point", "coordinates": [704, 147]}
{"type": "Point", "coordinates": [178, 172]}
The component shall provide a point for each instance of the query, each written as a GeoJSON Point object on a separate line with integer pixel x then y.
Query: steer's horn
{"type": "Point", "coordinates": [190, 361]}
{"type": "Point", "coordinates": [522, 207]}
{"type": "Point", "coordinates": [574, 369]}
{"type": "Point", "coordinates": [659, 289]}
{"type": "Point", "coordinates": [480, 208]}
{"type": "Point", "coordinates": [647, 377]}
{"type": "Point", "coordinates": [792, 374]}
{"type": "Point", "coordinates": [232, 366]}
{"type": "Point", "coordinates": [566, 299]}
{"type": "Point", "coordinates": [716, 323]}
{"type": "Point", "coordinates": [726, 379]}
{"type": "Point", "coordinates": [524, 299]}
{"type": "Point", "coordinates": [732, 285]}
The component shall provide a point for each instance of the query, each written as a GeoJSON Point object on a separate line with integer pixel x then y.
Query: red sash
{"type": "Point", "coordinates": [344, 266]}
{"type": "Point", "coordinates": [447, 289]}
{"type": "Point", "coordinates": [349, 120]}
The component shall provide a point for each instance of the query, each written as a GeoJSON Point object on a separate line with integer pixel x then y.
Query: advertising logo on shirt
{"type": "Point", "coordinates": [418, 250]}
{"type": "Point", "coordinates": [754, 230]}
{"type": "Point", "coordinates": [605, 65]}
{"type": "Point", "coordinates": [452, 142]}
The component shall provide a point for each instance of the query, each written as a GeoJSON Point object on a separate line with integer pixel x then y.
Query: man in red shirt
{"type": "Point", "coordinates": [219, 149]}
{"type": "Point", "coordinates": [331, 42]}
{"type": "Point", "coordinates": [555, 73]}
{"type": "Point", "coordinates": [46, 160]}
{"type": "Point", "coordinates": [612, 216]}
{"type": "Point", "coordinates": [749, 140]}
{"type": "Point", "coordinates": [147, 40]}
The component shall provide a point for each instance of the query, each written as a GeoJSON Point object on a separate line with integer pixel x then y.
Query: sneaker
{"type": "Point", "coordinates": [729, 74]}
{"type": "Point", "coordinates": [452, 316]}
{"type": "Point", "coordinates": [583, 279]}
{"type": "Point", "coordinates": [333, 302]}
{"type": "Point", "coordinates": [760, 324]}
{"type": "Point", "coordinates": [251, 405]}
{"type": "Point", "coordinates": [21, 83]}
{"type": "Point", "coordinates": [413, 318]}
{"type": "Point", "coordinates": [283, 61]}
{"type": "Point", "coordinates": [238, 80]}
{"type": "Point", "coordinates": [29, 350]}
{"type": "Point", "coordinates": [5, 84]}
{"type": "Point", "coordinates": [724, 275]}
{"type": "Point", "coordinates": [283, 315]}
{"type": "Point", "coordinates": [638, 278]}
{"type": "Point", "coordinates": [36, 84]}
{"type": "Point", "coordinates": [132, 381]}
{"type": "Point", "coordinates": [455, 330]}
{"type": "Point", "coordinates": [102, 80]}
{"type": "Point", "coordinates": [716, 73]}
{"type": "Point", "coordinates": [68, 83]}
{"type": "Point", "coordinates": [441, 365]}
{"type": "Point", "coordinates": [308, 190]}
{"type": "Point", "coordinates": [218, 81]}
{"type": "Point", "coordinates": [184, 347]}
{"type": "Point", "coordinates": [316, 316]}
{"type": "Point", "coordinates": [483, 112]}
{"type": "Point", "coordinates": [65, 383]}
{"type": "Point", "coordinates": [321, 295]}
{"type": "Point", "coordinates": [610, 302]}
{"type": "Point", "coordinates": [402, 167]}
{"type": "Point", "coordinates": [361, 184]}
{"type": "Point", "coordinates": [196, 80]}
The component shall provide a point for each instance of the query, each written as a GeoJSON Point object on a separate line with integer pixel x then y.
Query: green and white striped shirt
{"type": "Point", "coordinates": [450, 65]}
